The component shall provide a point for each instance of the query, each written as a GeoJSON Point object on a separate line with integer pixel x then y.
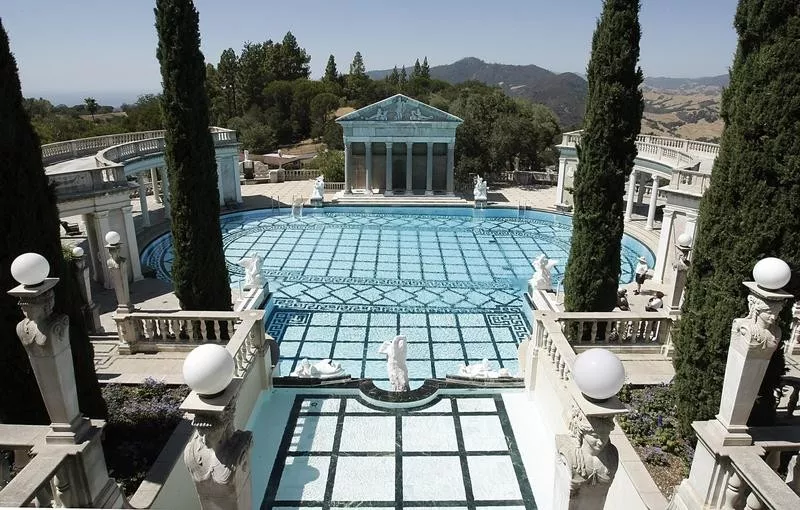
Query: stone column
{"type": "Point", "coordinates": [220, 171]}
{"type": "Point", "coordinates": [88, 308]}
{"type": "Point", "coordinates": [631, 191]}
{"type": "Point", "coordinates": [348, 155]}
{"type": "Point", "coordinates": [96, 256]}
{"type": "Point", "coordinates": [651, 211]}
{"type": "Point", "coordinates": [409, 165]}
{"type": "Point", "coordinates": [429, 168]}
{"type": "Point", "coordinates": [368, 163]}
{"type": "Point", "coordinates": [642, 187]}
{"type": "Point", "coordinates": [451, 158]}
{"type": "Point", "coordinates": [662, 252]}
{"type": "Point", "coordinates": [389, 176]}
{"type": "Point", "coordinates": [217, 456]}
{"type": "Point", "coordinates": [143, 199]}
{"type": "Point", "coordinates": [101, 228]}
{"type": "Point", "coordinates": [165, 190]}
{"type": "Point", "coordinates": [45, 337]}
{"type": "Point", "coordinates": [154, 181]}
{"type": "Point", "coordinates": [135, 271]}
{"type": "Point", "coordinates": [237, 180]}
{"type": "Point", "coordinates": [118, 271]}
{"type": "Point", "coordinates": [562, 175]}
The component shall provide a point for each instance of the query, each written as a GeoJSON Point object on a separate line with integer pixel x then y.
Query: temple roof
{"type": "Point", "coordinates": [399, 108]}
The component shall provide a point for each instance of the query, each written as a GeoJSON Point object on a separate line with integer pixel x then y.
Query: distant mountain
{"type": "Point", "coordinates": [564, 93]}
{"type": "Point", "coordinates": [662, 83]}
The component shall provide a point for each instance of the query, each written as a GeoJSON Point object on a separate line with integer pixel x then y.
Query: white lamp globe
{"type": "Point", "coordinates": [598, 373]}
{"type": "Point", "coordinates": [112, 237]}
{"type": "Point", "coordinates": [77, 252]}
{"type": "Point", "coordinates": [685, 239]}
{"type": "Point", "coordinates": [771, 273]}
{"type": "Point", "coordinates": [208, 369]}
{"type": "Point", "coordinates": [30, 269]}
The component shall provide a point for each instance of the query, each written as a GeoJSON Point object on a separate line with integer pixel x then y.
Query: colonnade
{"type": "Point", "coordinates": [389, 177]}
{"type": "Point", "coordinates": [641, 177]}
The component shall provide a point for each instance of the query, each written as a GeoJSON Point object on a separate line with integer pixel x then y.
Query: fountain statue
{"type": "Point", "coordinates": [395, 351]}
{"type": "Point", "coordinates": [319, 192]}
{"type": "Point", "coordinates": [480, 190]}
{"type": "Point", "coordinates": [482, 370]}
{"type": "Point", "coordinates": [542, 278]}
{"type": "Point", "coordinates": [252, 271]}
{"type": "Point", "coordinates": [325, 369]}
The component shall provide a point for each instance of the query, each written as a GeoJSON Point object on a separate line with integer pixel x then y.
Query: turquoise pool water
{"type": "Point", "coordinates": [344, 279]}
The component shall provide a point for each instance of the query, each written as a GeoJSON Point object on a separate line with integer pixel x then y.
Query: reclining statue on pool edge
{"type": "Point", "coordinates": [482, 370]}
{"type": "Point", "coordinates": [325, 369]}
{"type": "Point", "coordinates": [395, 351]}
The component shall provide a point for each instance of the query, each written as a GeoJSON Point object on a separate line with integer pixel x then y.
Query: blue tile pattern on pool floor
{"type": "Point", "coordinates": [346, 279]}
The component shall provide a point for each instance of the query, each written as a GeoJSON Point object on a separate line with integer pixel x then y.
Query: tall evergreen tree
{"type": "Point", "coordinates": [607, 149]}
{"type": "Point", "coordinates": [30, 224]}
{"type": "Point", "coordinates": [357, 67]}
{"type": "Point", "coordinates": [425, 70]}
{"type": "Point", "coordinates": [403, 77]}
{"type": "Point", "coordinates": [227, 72]}
{"type": "Point", "coordinates": [290, 61]}
{"type": "Point", "coordinates": [750, 211]}
{"type": "Point", "coordinates": [199, 274]}
{"type": "Point", "coordinates": [417, 72]}
{"type": "Point", "coordinates": [331, 73]}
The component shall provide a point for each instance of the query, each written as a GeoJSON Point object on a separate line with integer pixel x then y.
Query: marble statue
{"type": "Point", "coordinates": [319, 189]}
{"type": "Point", "coordinates": [381, 114]}
{"type": "Point", "coordinates": [252, 270]}
{"type": "Point", "coordinates": [588, 454]}
{"type": "Point", "coordinates": [482, 370]}
{"type": "Point", "coordinates": [325, 369]}
{"type": "Point", "coordinates": [759, 329]}
{"type": "Point", "coordinates": [395, 351]}
{"type": "Point", "coordinates": [418, 115]}
{"type": "Point", "coordinates": [542, 278]}
{"type": "Point", "coordinates": [480, 190]}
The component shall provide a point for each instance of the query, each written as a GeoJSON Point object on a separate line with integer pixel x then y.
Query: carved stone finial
{"type": "Point", "coordinates": [590, 457]}
{"type": "Point", "coordinates": [217, 459]}
{"type": "Point", "coordinates": [759, 329]}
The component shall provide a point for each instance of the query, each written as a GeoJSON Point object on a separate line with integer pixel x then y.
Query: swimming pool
{"type": "Point", "coordinates": [345, 279]}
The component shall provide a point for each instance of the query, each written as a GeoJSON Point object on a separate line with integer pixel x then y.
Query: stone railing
{"type": "Point", "coordinates": [154, 331]}
{"type": "Point", "coordinates": [126, 151]}
{"type": "Point", "coordinates": [704, 149]}
{"type": "Point", "coordinates": [614, 329]}
{"type": "Point", "coordinates": [753, 482]}
{"type": "Point", "coordinates": [690, 181]}
{"type": "Point", "coordinates": [71, 149]}
{"type": "Point", "coordinates": [90, 181]}
{"type": "Point", "coordinates": [303, 174]}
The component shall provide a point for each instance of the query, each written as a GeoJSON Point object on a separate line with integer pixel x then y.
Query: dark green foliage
{"type": "Point", "coordinates": [289, 61]}
{"type": "Point", "coordinates": [750, 211]}
{"type": "Point", "coordinates": [607, 150]}
{"type": "Point", "coordinates": [330, 164]}
{"type": "Point", "coordinates": [331, 74]}
{"type": "Point", "coordinates": [199, 274]}
{"type": "Point", "coordinates": [30, 224]}
{"type": "Point", "coordinates": [228, 69]}
{"type": "Point", "coordinates": [141, 420]}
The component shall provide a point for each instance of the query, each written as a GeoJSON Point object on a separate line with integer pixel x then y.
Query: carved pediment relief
{"type": "Point", "coordinates": [399, 108]}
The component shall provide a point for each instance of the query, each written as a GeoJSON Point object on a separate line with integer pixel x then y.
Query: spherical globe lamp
{"type": "Point", "coordinates": [685, 240]}
{"type": "Point", "coordinates": [77, 252]}
{"type": "Point", "coordinates": [208, 369]}
{"type": "Point", "coordinates": [598, 373]}
{"type": "Point", "coordinates": [771, 273]}
{"type": "Point", "coordinates": [30, 269]}
{"type": "Point", "coordinates": [112, 237]}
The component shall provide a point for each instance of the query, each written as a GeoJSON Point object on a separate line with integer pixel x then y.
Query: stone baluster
{"type": "Point", "coordinates": [754, 502]}
{"type": "Point", "coordinates": [793, 476]}
{"type": "Point", "coordinates": [733, 496]}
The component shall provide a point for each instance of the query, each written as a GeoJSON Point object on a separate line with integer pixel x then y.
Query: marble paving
{"type": "Point", "coordinates": [457, 452]}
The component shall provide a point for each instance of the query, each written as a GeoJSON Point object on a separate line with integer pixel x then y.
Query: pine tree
{"type": "Point", "coordinates": [425, 72]}
{"type": "Point", "coordinates": [199, 274]}
{"type": "Point", "coordinates": [403, 77]}
{"type": "Point", "coordinates": [607, 149]}
{"type": "Point", "coordinates": [357, 67]}
{"type": "Point", "coordinates": [290, 61]}
{"type": "Point", "coordinates": [417, 72]}
{"type": "Point", "coordinates": [394, 77]}
{"type": "Point", "coordinates": [331, 74]}
{"type": "Point", "coordinates": [227, 70]}
{"type": "Point", "coordinates": [750, 211]}
{"type": "Point", "coordinates": [30, 224]}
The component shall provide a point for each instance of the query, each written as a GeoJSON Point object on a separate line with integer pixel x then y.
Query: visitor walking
{"type": "Point", "coordinates": [640, 274]}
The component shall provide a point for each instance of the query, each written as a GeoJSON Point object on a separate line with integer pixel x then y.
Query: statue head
{"type": "Point", "coordinates": [592, 434]}
{"type": "Point", "coordinates": [763, 313]}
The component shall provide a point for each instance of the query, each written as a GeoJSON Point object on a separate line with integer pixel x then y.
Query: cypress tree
{"type": "Point", "coordinates": [606, 153]}
{"type": "Point", "coordinates": [199, 274]}
{"type": "Point", "coordinates": [751, 209]}
{"type": "Point", "coordinates": [30, 224]}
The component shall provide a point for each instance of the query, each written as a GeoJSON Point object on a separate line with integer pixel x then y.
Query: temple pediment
{"type": "Point", "coordinates": [399, 108]}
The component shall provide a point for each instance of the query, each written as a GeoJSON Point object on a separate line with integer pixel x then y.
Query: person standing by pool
{"type": "Point", "coordinates": [640, 274]}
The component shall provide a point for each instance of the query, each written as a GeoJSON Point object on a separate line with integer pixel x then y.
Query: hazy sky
{"type": "Point", "coordinates": [107, 47]}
